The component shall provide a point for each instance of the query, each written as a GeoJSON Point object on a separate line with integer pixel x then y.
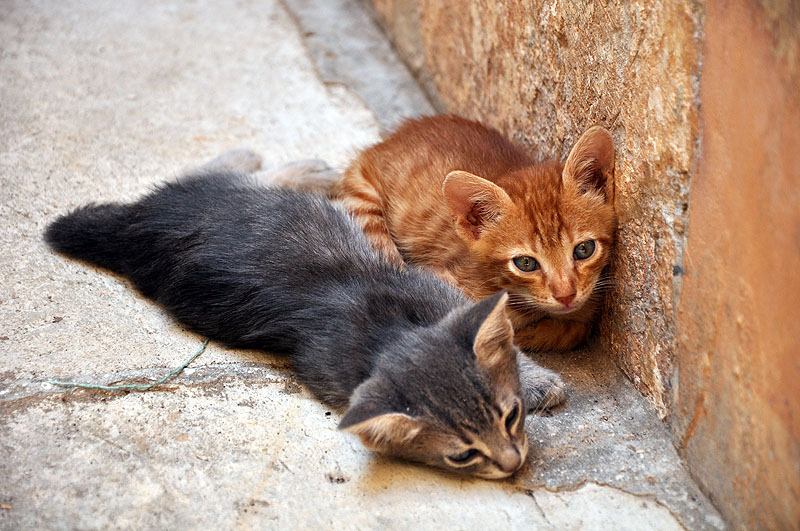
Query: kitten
{"type": "Point", "coordinates": [423, 373]}
{"type": "Point", "coordinates": [458, 198]}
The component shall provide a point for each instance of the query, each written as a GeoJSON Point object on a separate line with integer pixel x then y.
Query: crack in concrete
{"type": "Point", "coordinates": [204, 377]}
{"type": "Point", "coordinates": [586, 482]}
{"type": "Point", "coordinates": [532, 495]}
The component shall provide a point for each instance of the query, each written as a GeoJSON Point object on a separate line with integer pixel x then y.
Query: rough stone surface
{"type": "Point", "coordinates": [737, 402]}
{"type": "Point", "coordinates": [100, 100]}
{"type": "Point", "coordinates": [543, 71]}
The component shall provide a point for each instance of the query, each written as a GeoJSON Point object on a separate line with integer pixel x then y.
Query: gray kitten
{"type": "Point", "coordinates": [423, 373]}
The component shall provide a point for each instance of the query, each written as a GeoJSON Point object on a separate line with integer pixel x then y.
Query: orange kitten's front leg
{"type": "Point", "coordinates": [552, 334]}
{"type": "Point", "coordinates": [360, 196]}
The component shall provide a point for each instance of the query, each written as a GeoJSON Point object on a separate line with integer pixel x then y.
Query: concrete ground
{"type": "Point", "coordinates": [101, 99]}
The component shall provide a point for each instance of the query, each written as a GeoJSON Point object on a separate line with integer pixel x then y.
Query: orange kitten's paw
{"type": "Point", "coordinates": [542, 387]}
{"type": "Point", "coordinates": [311, 175]}
{"type": "Point", "coordinates": [392, 255]}
{"type": "Point", "coordinates": [552, 334]}
{"type": "Point", "coordinates": [449, 277]}
{"type": "Point", "coordinates": [243, 160]}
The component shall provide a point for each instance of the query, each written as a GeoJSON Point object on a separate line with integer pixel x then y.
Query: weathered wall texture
{"type": "Point", "coordinates": [703, 102]}
{"type": "Point", "coordinates": [543, 71]}
{"type": "Point", "coordinates": [737, 408]}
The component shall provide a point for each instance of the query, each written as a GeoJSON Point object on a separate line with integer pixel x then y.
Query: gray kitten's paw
{"type": "Point", "coordinates": [312, 175]}
{"type": "Point", "coordinates": [243, 160]}
{"type": "Point", "coordinates": [542, 387]}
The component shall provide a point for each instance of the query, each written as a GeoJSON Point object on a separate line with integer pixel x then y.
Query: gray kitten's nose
{"type": "Point", "coordinates": [509, 459]}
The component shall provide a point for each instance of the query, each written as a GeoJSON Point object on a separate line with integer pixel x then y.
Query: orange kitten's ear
{"type": "Point", "coordinates": [474, 202]}
{"type": "Point", "coordinates": [590, 165]}
{"type": "Point", "coordinates": [378, 431]}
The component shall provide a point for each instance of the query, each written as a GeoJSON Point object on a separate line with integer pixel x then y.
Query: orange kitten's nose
{"type": "Point", "coordinates": [566, 299]}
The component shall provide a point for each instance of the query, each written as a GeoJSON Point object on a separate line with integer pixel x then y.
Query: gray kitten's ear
{"type": "Point", "coordinates": [590, 164]}
{"type": "Point", "coordinates": [474, 202]}
{"type": "Point", "coordinates": [378, 430]}
{"type": "Point", "coordinates": [494, 341]}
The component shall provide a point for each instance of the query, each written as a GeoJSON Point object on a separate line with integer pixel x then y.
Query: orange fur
{"type": "Point", "coordinates": [457, 197]}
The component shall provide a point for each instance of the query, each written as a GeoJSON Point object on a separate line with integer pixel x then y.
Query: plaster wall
{"type": "Point", "coordinates": [736, 408]}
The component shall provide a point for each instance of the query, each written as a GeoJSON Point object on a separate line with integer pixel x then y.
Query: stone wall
{"type": "Point", "coordinates": [702, 101]}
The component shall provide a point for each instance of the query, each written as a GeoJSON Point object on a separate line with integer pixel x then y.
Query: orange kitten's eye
{"type": "Point", "coordinates": [584, 250]}
{"type": "Point", "coordinates": [526, 263]}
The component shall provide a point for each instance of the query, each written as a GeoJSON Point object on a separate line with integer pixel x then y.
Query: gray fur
{"type": "Point", "coordinates": [543, 388]}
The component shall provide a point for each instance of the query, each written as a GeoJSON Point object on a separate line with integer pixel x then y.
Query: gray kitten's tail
{"type": "Point", "coordinates": [92, 233]}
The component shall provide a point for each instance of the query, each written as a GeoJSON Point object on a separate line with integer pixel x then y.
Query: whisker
{"type": "Point", "coordinates": [544, 406]}
{"type": "Point", "coordinates": [520, 301]}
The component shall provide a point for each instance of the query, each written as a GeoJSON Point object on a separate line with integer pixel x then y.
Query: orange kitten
{"type": "Point", "coordinates": [457, 197]}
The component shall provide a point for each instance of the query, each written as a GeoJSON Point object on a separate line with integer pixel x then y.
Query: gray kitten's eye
{"type": "Point", "coordinates": [584, 250]}
{"type": "Point", "coordinates": [526, 263]}
{"type": "Point", "coordinates": [464, 456]}
{"type": "Point", "coordinates": [512, 417]}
